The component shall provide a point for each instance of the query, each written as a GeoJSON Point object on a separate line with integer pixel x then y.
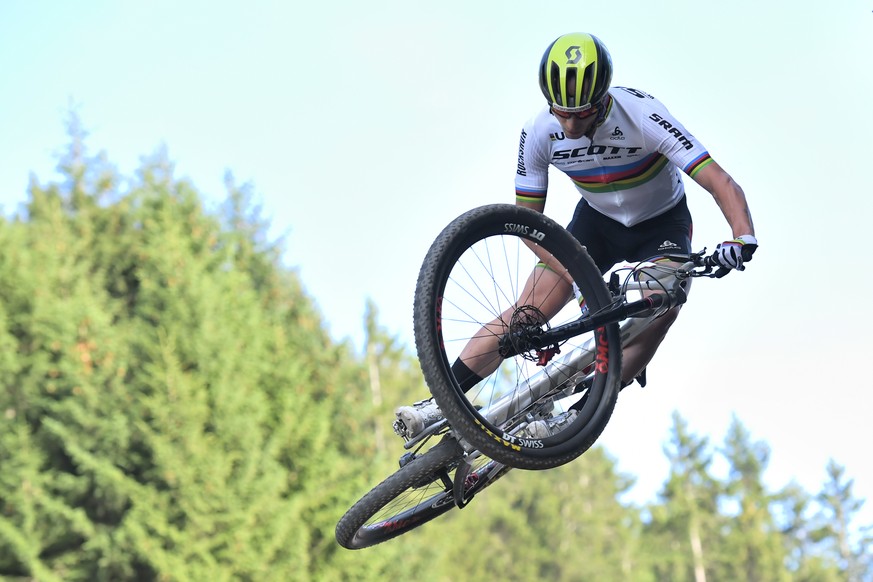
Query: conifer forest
{"type": "Point", "coordinates": [173, 409]}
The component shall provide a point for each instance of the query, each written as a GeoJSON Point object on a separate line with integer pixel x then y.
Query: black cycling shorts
{"type": "Point", "coordinates": [610, 242]}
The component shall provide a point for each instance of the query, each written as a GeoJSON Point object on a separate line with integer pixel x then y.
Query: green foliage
{"type": "Point", "coordinates": [562, 524]}
{"type": "Point", "coordinates": [169, 392]}
{"type": "Point", "coordinates": [832, 529]}
{"type": "Point", "coordinates": [755, 549]}
{"type": "Point", "coordinates": [685, 529]}
{"type": "Point", "coordinates": [706, 529]}
{"type": "Point", "coordinates": [172, 409]}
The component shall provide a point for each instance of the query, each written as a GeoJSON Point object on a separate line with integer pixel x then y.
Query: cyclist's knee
{"type": "Point", "coordinates": [659, 326]}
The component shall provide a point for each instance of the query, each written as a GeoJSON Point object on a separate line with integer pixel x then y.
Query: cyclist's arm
{"type": "Point", "coordinates": [532, 172]}
{"type": "Point", "coordinates": [729, 197]}
{"type": "Point", "coordinates": [545, 258]}
{"type": "Point", "coordinates": [539, 206]}
{"type": "Point", "coordinates": [672, 139]}
{"type": "Point", "coordinates": [532, 184]}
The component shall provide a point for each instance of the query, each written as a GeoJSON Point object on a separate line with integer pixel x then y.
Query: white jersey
{"type": "Point", "coordinates": [629, 170]}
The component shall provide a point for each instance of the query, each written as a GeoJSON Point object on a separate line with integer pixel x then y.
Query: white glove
{"type": "Point", "coordinates": [732, 253]}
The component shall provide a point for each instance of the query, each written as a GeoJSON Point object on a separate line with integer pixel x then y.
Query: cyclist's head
{"type": "Point", "coordinates": [575, 72]}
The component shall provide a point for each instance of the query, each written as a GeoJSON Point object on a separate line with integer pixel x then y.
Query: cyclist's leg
{"type": "Point", "coordinates": [545, 290]}
{"type": "Point", "coordinates": [638, 352]}
{"type": "Point", "coordinates": [671, 233]}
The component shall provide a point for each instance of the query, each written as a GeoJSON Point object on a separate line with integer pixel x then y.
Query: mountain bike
{"type": "Point", "coordinates": [474, 272]}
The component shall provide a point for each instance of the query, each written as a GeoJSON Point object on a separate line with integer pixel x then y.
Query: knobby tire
{"type": "Point", "coordinates": [357, 529]}
{"type": "Point", "coordinates": [497, 230]}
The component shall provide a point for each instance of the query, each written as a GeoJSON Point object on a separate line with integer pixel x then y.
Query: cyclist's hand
{"type": "Point", "coordinates": [733, 253]}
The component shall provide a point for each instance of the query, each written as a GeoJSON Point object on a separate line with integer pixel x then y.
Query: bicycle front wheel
{"type": "Point", "coordinates": [485, 278]}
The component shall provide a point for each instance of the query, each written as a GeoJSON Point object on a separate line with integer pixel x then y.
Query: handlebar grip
{"type": "Point", "coordinates": [720, 271]}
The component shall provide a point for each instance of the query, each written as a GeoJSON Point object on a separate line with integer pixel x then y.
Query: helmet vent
{"type": "Point", "coordinates": [587, 82]}
{"type": "Point", "coordinates": [555, 82]}
{"type": "Point", "coordinates": [571, 87]}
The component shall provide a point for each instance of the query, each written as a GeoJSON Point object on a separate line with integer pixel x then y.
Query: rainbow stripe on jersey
{"type": "Point", "coordinates": [530, 195]}
{"type": "Point", "coordinates": [697, 164]}
{"type": "Point", "coordinates": [612, 178]}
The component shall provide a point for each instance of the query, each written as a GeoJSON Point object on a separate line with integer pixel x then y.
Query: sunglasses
{"type": "Point", "coordinates": [577, 114]}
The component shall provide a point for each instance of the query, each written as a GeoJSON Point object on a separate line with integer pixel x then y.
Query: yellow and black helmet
{"type": "Point", "coordinates": [575, 72]}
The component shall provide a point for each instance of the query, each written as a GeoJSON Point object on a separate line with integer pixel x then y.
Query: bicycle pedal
{"type": "Point", "coordinates": [400, 429]}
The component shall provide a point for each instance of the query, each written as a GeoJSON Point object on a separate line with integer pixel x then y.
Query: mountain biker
{"type": "Point", "coordinates": [625, 154]}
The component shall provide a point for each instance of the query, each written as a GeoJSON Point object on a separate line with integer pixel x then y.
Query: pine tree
{"type": "Point", "coordinates": [169, 390]}
{"type": "Point", "coordinates": [845, 541]}
{"type": "Point", "coordinates": [754, 543]}
{"type": "Point", "coordinates": [684, 528]}
{"type": "Point", "coordinates": [804, 559]}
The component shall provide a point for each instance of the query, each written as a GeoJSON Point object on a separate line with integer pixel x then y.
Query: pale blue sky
{"type": "Point", "coordinates": [366, 127]}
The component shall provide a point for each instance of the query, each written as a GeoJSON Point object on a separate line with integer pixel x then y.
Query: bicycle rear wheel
{"type": "Point", "coordinates": [474, 272]}
{"type": "Point", "coordinates": [417, 493]}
